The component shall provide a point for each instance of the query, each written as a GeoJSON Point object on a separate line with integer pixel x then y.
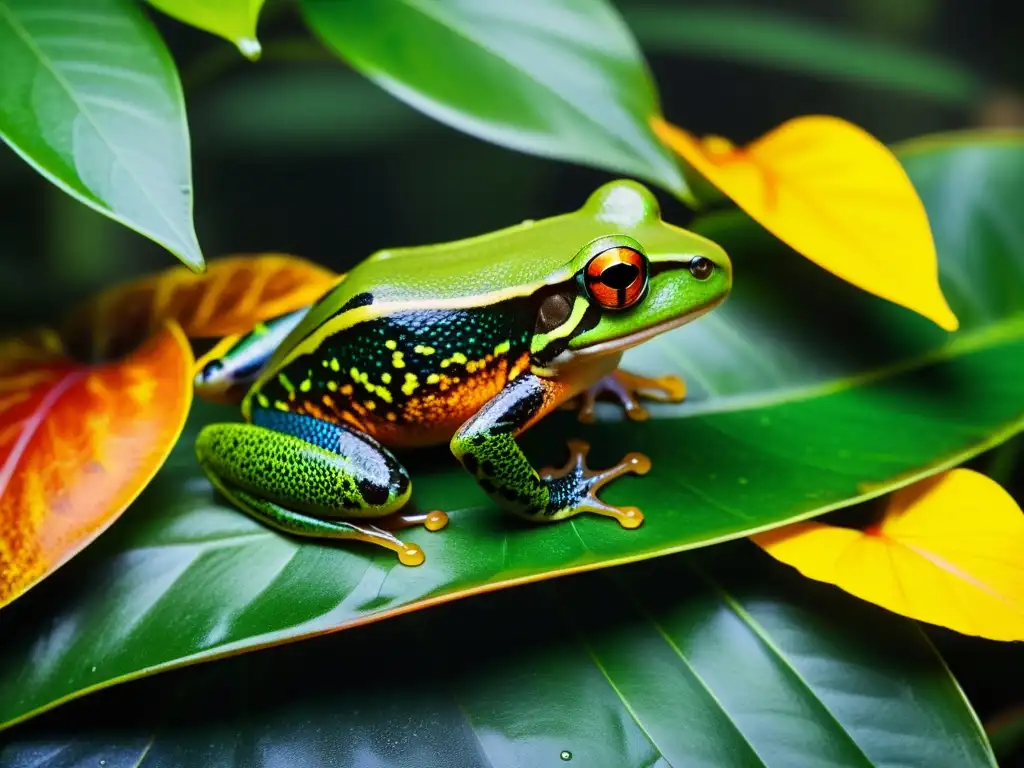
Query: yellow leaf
{"type": "Point", "coordinates": [835, 194]}
{"type": "Point", "coordinates": [949, 551]}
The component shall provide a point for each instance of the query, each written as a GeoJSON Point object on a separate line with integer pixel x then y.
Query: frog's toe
{"type": "Point", "coordinates": [627, 388]}
{"type": "Point", "coordinates": [579, 484]}
{"type": "Point", "coordinates": [434, 520]}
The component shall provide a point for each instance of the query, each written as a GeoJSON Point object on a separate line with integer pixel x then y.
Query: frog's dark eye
{"type": "Point", "coordinates": [616, 278]}
{"type": "Point", "coordinates": [701, 268]}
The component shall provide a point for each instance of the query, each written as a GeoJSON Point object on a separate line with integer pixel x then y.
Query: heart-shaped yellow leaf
{"type": "Point", "coordinates": [949, 550]}
{"type": "Point", "coordinates": [835, 194]}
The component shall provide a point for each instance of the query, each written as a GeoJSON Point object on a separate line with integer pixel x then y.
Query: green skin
{"type": "Point", "coordinates": [468, 342]}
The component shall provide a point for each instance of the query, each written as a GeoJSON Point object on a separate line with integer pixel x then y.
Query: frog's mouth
{"type": "Point", "coordinates": [622, 343]}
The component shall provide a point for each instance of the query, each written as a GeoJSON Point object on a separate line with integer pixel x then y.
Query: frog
{"type": "Point", "coordinates": [461, 345]}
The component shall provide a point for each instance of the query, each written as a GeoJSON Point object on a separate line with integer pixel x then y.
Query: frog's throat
{"type": "Point", "coordinates": [631, 340]}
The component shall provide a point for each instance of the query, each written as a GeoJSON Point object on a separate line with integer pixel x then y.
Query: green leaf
{"type": "Point", "coordinates": [685, 661]}
{"type": "Point", "coordinates": [766, 38]}
{"type": "Point", "coordinates": [234, 20]}
{"type": "Point", "coordinates": [808, 395]}
{"type": "Point", "coordinates": [90, 97]}
{"type": "Point", "coordinates": [556, 78]}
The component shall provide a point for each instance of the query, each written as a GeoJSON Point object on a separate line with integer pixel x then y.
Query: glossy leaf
{"type": "Point", "coordinates": [90, 97]}
{"type": "Point", "coordinates": [681, 662]}
{"type": "Point", "coordinates": [767, 38]}
{"type": "Point", "coordinates": [948, 550]}
{"type": "Point", "coordinates": [557, 78]}
{"type": "Point", "coordinates": [231, 296]}
{"type": "Point", "coordinates": [790, 353]}
{"type": "Point", "coordinates": [835, 194]}
{"type": "Point", "coordinates": [234, 20]}
{"type": "Point", "coordinates": [77, 445]}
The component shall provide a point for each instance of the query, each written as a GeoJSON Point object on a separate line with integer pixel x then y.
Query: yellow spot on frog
{"type": "Point", "coordinates": [286, 383]}
{"type": "Point", "coordinates": [502, 348]}
{"type": "Point", "coordinates": [262, 400]}
{"type": "Point", "coordinates": [332, 385]}
{"type": "Point", "coordinates": [347, 389]}
{"type": "Point", "coordinates": [433, 378]}
{"type": "Point", "coordinates": [386, 378]}
{"type": "Point", "coordinates": [281, 406]}
{"type": "Point", "coordinates": [335, 366]}
{"type": "Point", "coordinates": [391, 416]}
{"type": "Point", "coordinates": [354, 373]}
{"type": "Point", "coordinates": [396, 360]}
{"type": "Point", "coordinates": [370, 404]}
{"type": "Point", "coordinates": [391, 344]}
{"type": "Point", "coordinates": [305, 385]}
{"type": "Point", "coordinates": [420, 349]}
{"type": "Point", "coordinates": [382, 392]}
{"type": "Point", "coordinates": [411, 384]}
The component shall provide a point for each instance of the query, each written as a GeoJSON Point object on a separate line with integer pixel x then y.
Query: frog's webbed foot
{"type": "Point", "coordinates": [574, 487]}
{"type": "Point", "coordinates": [627, 388]}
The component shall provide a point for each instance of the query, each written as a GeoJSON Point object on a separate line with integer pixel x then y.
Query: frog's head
{"type": "Point", "coordinates": [641, 278]}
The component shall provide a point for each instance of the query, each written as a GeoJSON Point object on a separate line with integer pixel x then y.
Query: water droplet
{"type": "Point", "coordinates": [743, 481]}
{"type": "Point", "coordinates": [566, 754]}
{"type": "Point", "coordinates": [93, 667]}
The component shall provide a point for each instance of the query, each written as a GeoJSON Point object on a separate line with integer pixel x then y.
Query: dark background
{"type": "Point", "coordinates": [305, 156]}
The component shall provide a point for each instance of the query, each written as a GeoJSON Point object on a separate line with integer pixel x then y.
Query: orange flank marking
{"type": "Point", "coordinates": [79, 447]}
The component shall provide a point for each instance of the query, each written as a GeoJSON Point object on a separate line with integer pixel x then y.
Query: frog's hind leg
{"type": "Point", "coordinates": [627, 389]}
{"type": "Point", "coordinates": [311, 478]}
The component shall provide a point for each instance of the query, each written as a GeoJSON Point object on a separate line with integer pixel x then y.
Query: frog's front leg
{"type": "Point", "coordinates": [627, 389]}
{"type": "Point", "coordinates": [487, 448]}
{"type": "Point", "coordinates": [311, 478]}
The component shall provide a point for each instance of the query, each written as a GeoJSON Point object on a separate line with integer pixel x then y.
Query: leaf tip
{"type": "Point", "coordinates": [249, 47]}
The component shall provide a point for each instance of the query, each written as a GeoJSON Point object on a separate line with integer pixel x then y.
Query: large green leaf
{"type": "Point", "coordinates": [90, 97]}
{"type": "Point", "coordinates": [767, 38]}
{"type": "Point", "coordinates": [556, 78]}
{"type": "Point", "coordinates": [808, 396]}
{"type": "Point", "coordinates": [684, 661]}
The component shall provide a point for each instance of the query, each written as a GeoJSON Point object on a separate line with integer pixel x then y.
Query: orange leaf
{"type": "Point", "coordinates": [835, 194]}
{"type": "Point", "coordinates": [230, 297]}
{"type": "Point", "coordinates": [949, 550]}
{"type": "Point", "coordinates": [77, 445]}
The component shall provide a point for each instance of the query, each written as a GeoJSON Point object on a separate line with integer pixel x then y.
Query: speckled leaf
{"type": "Point", "coordinates": [679, 662]}
{"type": "Point", "coordinates": [807, 395]}
{"type": "Point", "coordinates": [90, 97]}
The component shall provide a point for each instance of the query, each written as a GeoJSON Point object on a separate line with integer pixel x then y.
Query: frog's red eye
{"type": "Point", "coordinates": [616, 278]}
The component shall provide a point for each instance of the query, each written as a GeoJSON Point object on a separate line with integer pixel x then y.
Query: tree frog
{"type": "Point", "coordinates": [464, 344]}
